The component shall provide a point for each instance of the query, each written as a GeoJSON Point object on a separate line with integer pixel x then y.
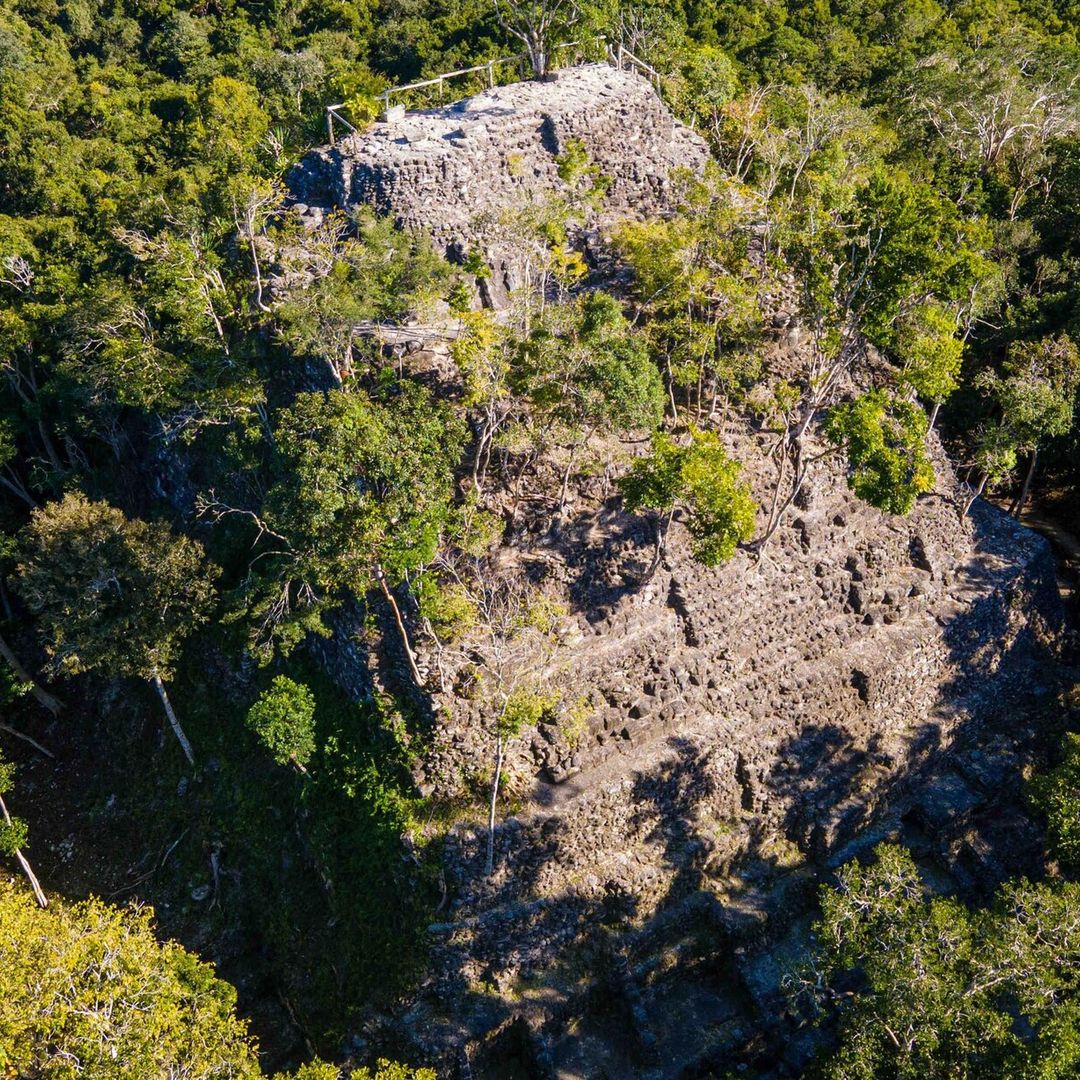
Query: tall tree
{"type": "Point", "coordinates": [362, 491]}
{"type": "Point", "coordinates": [87, 990]}
{"type": "Point", "coordinates": [944, 991]}
{"type": "Point", "coordinates": [584, 370]}
{"type": "Point", "coordinates": [114, 594]}
{"type": "Point", "coordinates": [885, 441]}
{"type": "Point", "coordinates": [1036, 394]}
{"type": "Point", "coordinates": [697, 286]}
{"type": "Point", "coordinates": [536, 24]}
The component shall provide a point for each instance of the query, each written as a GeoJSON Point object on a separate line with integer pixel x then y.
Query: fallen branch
{"type": "Point", "coordinates": [26, 738]}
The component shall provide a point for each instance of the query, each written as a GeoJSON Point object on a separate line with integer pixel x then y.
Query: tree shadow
{"type": "Point", "coordinates": [652, 917]}
{"type": "Point", "coordinates": [607, 554]}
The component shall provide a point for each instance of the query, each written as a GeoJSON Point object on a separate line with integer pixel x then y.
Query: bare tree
{"type": "Point", "coordinates": [512, 651]}
{"type": "Point", "coordinates": [534, 23]}
{"type": "Point", "coordinates": [1002, 105]}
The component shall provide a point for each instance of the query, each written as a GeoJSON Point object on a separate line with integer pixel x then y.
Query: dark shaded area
{"type": "Point", "coordinates": [298, 888]}
{"type": "Point", "coordinates": [691, 985]}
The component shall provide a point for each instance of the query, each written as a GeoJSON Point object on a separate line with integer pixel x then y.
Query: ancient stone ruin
{"type": "Point", "coordinates": [748, 727]}
{"type": "Point", "coordinates": [452, 171]}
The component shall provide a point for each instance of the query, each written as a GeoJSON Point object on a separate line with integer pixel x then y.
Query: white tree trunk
{"type": "Point", "coordinates": [42, 696]}
{"type": "Point", "coordinates": [975, 494]}
{"type": "Point", "coordinates": [22, 860]}
{"type": "Point", "coordinates": [178, 731]}
{"type": "Point", "coordinates": [489, 865]}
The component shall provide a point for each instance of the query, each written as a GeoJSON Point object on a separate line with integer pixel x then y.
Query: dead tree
{"type": "Point", "coordinates": [533, 23]}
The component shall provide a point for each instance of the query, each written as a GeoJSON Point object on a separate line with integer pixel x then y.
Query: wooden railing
{"type": "Point", "coordinates": [621, 57]}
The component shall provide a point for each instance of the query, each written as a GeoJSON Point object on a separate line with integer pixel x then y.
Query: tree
{"type": "Point", "coordinates": [1036, 394]}
{"type": "Point", "coordinates": [284, 720]}
{"type": "Point", "coordinates": [383, 1070]}
{"type": "Point", "coordinates": [994, 458]}
{"type": "Point", "coordinates": [1001, 104]}
{"type": "Point", "coordinates": [87, 990]}
{"type": "Point", "coordinates": [519, 634]}
{"type": "Point", "coordinates": [535, 23]}
{"type": "Point", "coordinates": [869, 260]}
{"type": "Point", "coordinates": [703, 480]}
{"type": "Point", "coordinates": [929, 354]}
{"type": "Point", "coordinates": [483, 352]}
{"type": "Point", "coordinates": [1057, 795]}
{"type": "Point", "coordinates": [346, 275]}
{"type": "Point", "coordinates": [945, 991]}
{"type": "Point", "coordinates": [885, 440]}
{"type": "Point", "coordinates": [362, 492]}
{"type": "Point", "coordinates": [584, 370]}
{"type": "Point", "coordinates": [695, 282]}
{"type": "Point", "coordinates": [392, 1070]}
{"type": "Point", "coordinates": [114, 594]}
{"type": "Point", "coordinates": [24, 680]}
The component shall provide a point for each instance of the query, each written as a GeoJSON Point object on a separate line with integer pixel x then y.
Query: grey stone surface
{"type": "Point", "coordinates": [452, 171]}
{"type": "Point", "coordinates": [750, 726]}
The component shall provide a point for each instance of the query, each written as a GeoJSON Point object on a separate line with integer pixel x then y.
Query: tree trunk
{"type": "Point", "coordinates": [27, 869]}
{"type": "Point", "coordinates": [42, 696]}
{"type": "Point", "coordinates": [671, 390]}
{"type": "Point", "coordinates": [566, 480]}
{"type": "Point", "coordinates": [975, 494]}
{"type": "Point", "coordinates": [402, 632]}
{"type": "Point", "coordinates": [662, 524]}
{"type": "Point", "coordinates": [489, 865]}
{"type": "Point", "coordinates": [178, 731]}
{"type": "Point", "coordinates": [776, 515]}
{"type": "Point", "coordinates": [26, 738]}
{"type": "Point", "coordinates": [933, 414]}
{"type": "Point", "coordinates": [1020, 502]}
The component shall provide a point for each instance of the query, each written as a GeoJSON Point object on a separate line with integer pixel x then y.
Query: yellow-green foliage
{"type": "Point", "coordinates": [313, 1070]}
{"type": "Point", "coordinates": [483, 361]}
{"type": "Point", "coordinates": [87, 991]}
{"type": "Point", "coordinates": [704, 480]}
{"type": "Point", "coordinates": [574, 722]}
{"type": "Point", "coordinates": [449, 608]}
{"type": "Point", "coordinates": [384, 1070]}
{"type": "Point", "coordinates": [392, 1070]}
{"type": "Point", "coordinates": [543, 614]}
{"type": "Point", "coordinates": [525, 708]}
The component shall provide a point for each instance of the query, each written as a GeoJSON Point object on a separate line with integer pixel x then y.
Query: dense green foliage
{"type": "Point", "coordinates": [111, 593]}
{"type": "Point", "coordinates": [1057, 795]}
{"type": "Point", "coordinates": [283, 718]}
{"type": "Point", "coordinates": [885, 440]}
{"type": "Point", "coordinates": [203, 467]}
{"type": "Point", "coordinates": [949, 991]}
{"type": "Point", "coordinates": [702, 479]}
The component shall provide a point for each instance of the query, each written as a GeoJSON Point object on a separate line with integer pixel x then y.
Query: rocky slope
{"type": "Point", "coordinates": [455, 172]}
{"type": "Point", "coordinates": [751, 726]}
{"type": "Point", "coordinates": [739, 731]}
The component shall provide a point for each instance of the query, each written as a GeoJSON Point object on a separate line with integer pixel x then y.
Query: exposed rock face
{"type": "Point", "coordinates": [753, 725]}
{"type": "Point", "coordinates": [449, 171]}
{"type": "Point", "coordinates": [749, 727]}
